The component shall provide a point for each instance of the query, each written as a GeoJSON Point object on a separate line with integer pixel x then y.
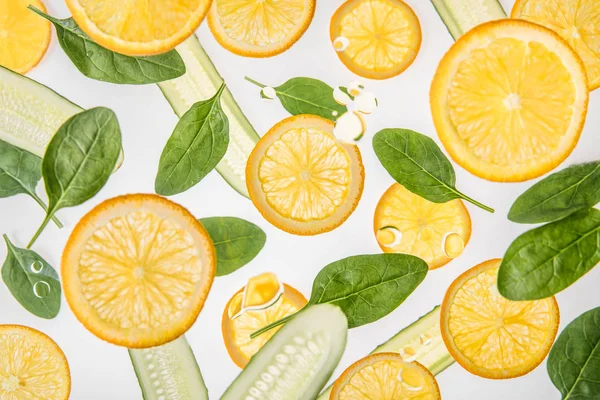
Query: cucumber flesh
{"type": "Point", "coordinates": [297, 361]}
{"type": "Point", "coordinates": [425, 338]}
{"type": "Point", "coordinates": [460, 16]}
{"type": "Point", "coordinates": [169, 372]}
{"type": "Point", "coordinates": [201, 82]}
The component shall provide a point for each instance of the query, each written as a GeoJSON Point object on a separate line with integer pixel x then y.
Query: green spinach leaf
{"type": "Point", "coordinates": [79, 160]}
{"type": "Point", "coordinates": [32, 281]}
{"type": "Point", "coordinates": [196, 146]}
{"type": "Point", "coordinates": [559, 195]}
{"type": "Point", "coordinates": [236, 242]}
{"type": "Point", "coordinates": [548, 259]}
{"type": "Point", "coordinates": [20, 172]}
{"type": "Point", "coordinates": [574, 362]}
{"type": "Point", "coordinates": [365, 287]}
{"type": "Point", "coordinates": [416, 162]}
{"type": "Point", "coordinates": [97, 62]}
{"type": "Point", "coordinates": [307, 96]}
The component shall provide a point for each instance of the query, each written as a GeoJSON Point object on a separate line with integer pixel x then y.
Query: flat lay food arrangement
{"type": "Point", "coordinates": [338, 200]}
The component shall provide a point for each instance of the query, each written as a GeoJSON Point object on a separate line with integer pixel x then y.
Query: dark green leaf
{"type": "Point", "coordinates": [97, 62]}
{"type": "Point", "coordinates": [559, 195]}
{"type": "Point", "coordinates": [236, 241]}
{"type": "Point", "coordinates": [196, 146]}
{"type": "Point", "coordinates": [79, 159]}
{"type": "Point", "coordinates": [307, 96]}
{"type": "Point", "coordinates": [548, 259]}
{"type": "Point", "coordinates": [32, 281]}
{"type": "Point", "coordinates": [574, 362]}
{"type": "Point", "coordinates": [417, 163]}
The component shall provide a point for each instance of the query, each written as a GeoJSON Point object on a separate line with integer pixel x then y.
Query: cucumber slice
{"type": "Point", "coordinates": [460, 16]}
{"type": "Point", "coordinates": [424, 338]}
{"type": "Point", "coordinates": [201, 82]}
{"type": "Point", "coordinates": [298, 360]}
{"type": "Point", "coordinates": [169, 372]}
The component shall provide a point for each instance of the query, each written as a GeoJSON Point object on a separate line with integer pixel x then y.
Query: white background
{"type": "Point", "coordinates": [101, 371]}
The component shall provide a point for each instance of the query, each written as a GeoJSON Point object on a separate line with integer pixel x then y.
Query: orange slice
{"type": "Point", "coordinates": [238, 323]}
{"type": "Point", "coordinates": [24, 36]}
{"type": "Point", "coordinates": [376, 39]}
{"type": "Point", "coordinates": [491, 336]}
{"type": "Point", "coordinates": [509, 100]}
{"type": "Point", "coordinates": [385, 376]}
{"type": "Point", "coordinates": [259, 28]}
{"type": "Point", "coordinates": [302, 179]}
{"type": "Point", "coordinates": [407, 223]}
{"type": "Point", "coordinates": [138, 27]}
{"type": "Point", "coordinates": [32, 365]}
{"type": "Point", "coordinates": [576, 21]}
{"type": "Point", "coordinates": [137, 269]}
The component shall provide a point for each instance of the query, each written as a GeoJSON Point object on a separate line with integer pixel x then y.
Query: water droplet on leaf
{"type": "Point", "coordinates": [37, 267]}
{"type": "Point", "coordinates": [41, 289]}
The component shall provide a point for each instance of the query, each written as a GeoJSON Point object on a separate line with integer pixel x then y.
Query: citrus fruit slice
{"type": "Point", "coordinates": [576, 21]}
{"type": "Point", "coordinates": [385, 376]}
{"type": "Point", "coordinates": [239, 322]}
{"type": "Point", "coordinates": [376, 39]}
{"type": "Point", "coordinates": [509, 100]}
{"type": "Point", "coordinates": [138, 27]}
{"type": "Point", "coordinates": [302, 179]}
{"type": "Point", "coordinates": [137, 269]}
{"type": "Point", "coordinates": [24, 36]}
{"type": "Point", "coordinates": [406, 223]}
{"type": "Point", "coordinates": [32, 366]}
{"type": "Point", "coordinates": [491, 336]}
{"type": "Point", "coordinates": [259, 28]}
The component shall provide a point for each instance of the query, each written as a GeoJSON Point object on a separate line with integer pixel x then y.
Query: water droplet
{"type": "Point", "coordinates": [341, 43]}
{"type": "Point", "coordinates": [453, 245]}
{"type": "Point", "coordinates": [408, 354]}
{"type": "Point", "coordinates": [37, 267]}
{"type": "Point", "coordinates": [334, 113]}
{"type": "Point", "coordinates": [41, 289]}
{"type": "Point", "coordinates": [411, 378]}
{"type": "Point", "coordinates": [389, 236]}
{"type": "Point", "coordinates": [425, 339]}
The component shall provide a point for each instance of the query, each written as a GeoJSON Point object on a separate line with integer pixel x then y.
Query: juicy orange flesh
{"type": "Point", "coordinates": [24, 35]}
{"type": "Point", "coordinates": [495, 333]}
{"type": "Point", "coordinates": [31, 367]}
{"type": "Point", "coordinates": [305, 174]}
{"type": "Point", "coordinates": [140, 20]}
{"type": "Point", "coordinates": [381, 34]}
{"type": "Point", "coordinates": [424, 226]}
{"type": "Point", "coordinates": [140, 270]}
{"type": "Point", "coordinates": [260, 23]}
{"type": "Point", "coordinates": [507, 114]}
{"type": "Point", "coordinates": [577, 21]}
{"type": "Point", "coordinates": [262, 290]}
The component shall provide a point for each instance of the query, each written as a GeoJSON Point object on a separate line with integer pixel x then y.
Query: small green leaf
{"type": "Point", "coordinates": [307, 96]}
{"type": "Point", "coordinates": [559, 195]}
{"type": "Point", "coordinates": [236, 242]}
{"type": "Point", "coordinates": [97, 62]}
{"type": "Point", "coordinates": [416, 162]}
{"type": "Point", "coordinates": [196, 146]}
{"type": "Point", "coordinates": [548, 259]}
{"type": "Point", "coordinates": [32, 281]}
{"type": "Point", "coordinates": [574, 362]}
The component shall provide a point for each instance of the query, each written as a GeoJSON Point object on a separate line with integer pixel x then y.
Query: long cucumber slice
{"type": "Point", "coordinates": [169, 372]}
{"type": "Point", "coordinates": [298, 360]}
{"type": "Point", "coordinates": [421, 341]}
{"type": "Point", "coordinates": [201, 82]}
{"type": "Point", "coordinates": [460, 16]}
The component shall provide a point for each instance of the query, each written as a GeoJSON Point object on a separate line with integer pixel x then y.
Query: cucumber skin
{"type": "Point", "coordinates": [480, 11]}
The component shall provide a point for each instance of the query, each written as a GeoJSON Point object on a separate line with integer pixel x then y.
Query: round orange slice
{"type": "Point", "coordinates": [238, 324]}
{"type": "Point", "coordinates": [32, 366]}
{"type": "Point", "coordinates": [385, 376]}
{"type": "Point", "coordinates": [509, 100]}
{"type": "Point", "coordinates": [302, 179]}
{"type": "Point", "coordinates": [24, 36]}
{"type": "Point", "coordinates": [407, 223]}
{"type": "Point", "coordinates": [259, 28]}
{"type": "Point", "coordinates": [138, 27]}
{"type": "Point", "coordinates": [576, 21]}
{"type": "Point", "coordinates": [137, 269]}
{"type": "Point", "coordinates": [376, 39]}
{"type": "Point", "coordinates": [491, 336]}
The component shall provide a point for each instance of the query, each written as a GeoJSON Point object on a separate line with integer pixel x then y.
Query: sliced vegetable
{"type": "Point", "coordinates": [460, 16]}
